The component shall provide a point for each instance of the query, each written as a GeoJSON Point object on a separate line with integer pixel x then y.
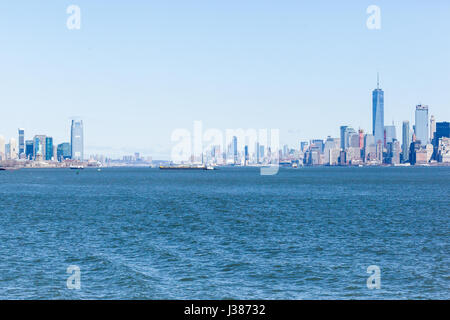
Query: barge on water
{"type": "Point", "coordinates": [186, 167]}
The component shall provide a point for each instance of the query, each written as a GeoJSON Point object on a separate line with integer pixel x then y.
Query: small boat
{"type": "Point", "coordinates": [76, 167]}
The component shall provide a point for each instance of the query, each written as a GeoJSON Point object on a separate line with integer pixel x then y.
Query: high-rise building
{"type": "Point", "coordinates": [21, 142]}
{"type": "Point", "coordinates": [331, 151]}
{"type": "Point", "coordinates": [406, 141]}
{"type": "Point", "coordinates": [432, 128]}
{"type": "Point", "coordinates": [442, 130]}
{"type": "Point", "coordinates": [378, 113]}
{"type": "Point", "coordinates": [346, 133]}
{"type": "Point", "coordinates": [77, 140]}
{"type": "Point", "coordinates": [421, 126]}
{"type": "Point", "coordinates": [48, 148]}
{"type": "Point", "coordinates": [235, 150]}
{"type": "Point", "coordinates": [370, 148]}
{"type": "Point", "coordinates": [391, 133]}
{"type": "Point", "coordinates": [29, 149]}
{"type": "Point", "coordinates": [13, 148]}
{"type": "Point", "coordinates": [342, 131]}
{"type": "Point", "coordinates": [63, 151]}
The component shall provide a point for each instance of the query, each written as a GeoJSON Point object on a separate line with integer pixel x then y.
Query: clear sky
{"type": "Point", "coordinates": [137, 70]}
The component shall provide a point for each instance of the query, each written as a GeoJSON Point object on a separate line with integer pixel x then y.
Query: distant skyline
{"type": "Point", "coordinates": [136, 71]}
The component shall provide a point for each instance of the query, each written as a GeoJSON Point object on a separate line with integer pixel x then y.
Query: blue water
{"type": "Point", "coordinates": [306, 233]}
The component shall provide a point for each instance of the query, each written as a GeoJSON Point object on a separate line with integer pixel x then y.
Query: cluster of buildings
{"type": "Point", "coordinates": [42, 147]}
{"type": "Point", "coordinates": [426, 142]}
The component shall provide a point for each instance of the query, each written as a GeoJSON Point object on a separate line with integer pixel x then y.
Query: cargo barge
{"type": "Point", "coordinates": [186, 167]}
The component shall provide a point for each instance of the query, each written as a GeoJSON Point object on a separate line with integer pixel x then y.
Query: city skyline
{"type": "Point", "coordinates": [351, 147]}
{"type": "Point", "coordinates": [181, 66]}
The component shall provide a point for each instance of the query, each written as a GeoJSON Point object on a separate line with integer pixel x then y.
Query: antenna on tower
{"type": "Point", "coordinates": [378, 80]}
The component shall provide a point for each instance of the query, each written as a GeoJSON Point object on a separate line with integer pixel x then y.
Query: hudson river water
{"type": "Point", "coordinates": [307, 233]}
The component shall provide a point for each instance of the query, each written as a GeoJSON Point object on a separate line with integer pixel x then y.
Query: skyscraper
{"type": "Point", "coordinates": [63, 151]}
{"type": "Point", "coordinates": [235, 151]}
{"type": "Point", "coordinates": [342, 130]}
{"type": "Point", "coordinates": [432, 128]}
{"type": "Point", "coordinates": [29, 149]}
{"type": "Point", "coordinates": [13, 149]}
{"type": "Point", "coordinates": [391, 133]}
{"type": "Point", "coordinates": [76, 140]}
{"type": "Point", "coordinates": [48, 148]}
{"type": "Point", "coordinates": [406, 141]}
{"type": "Point", "coordinates": [378, 113]}
{"type": "Point", "coordinates": [21, 142]}
{"type": "Point", "coordinates": [421, 126]}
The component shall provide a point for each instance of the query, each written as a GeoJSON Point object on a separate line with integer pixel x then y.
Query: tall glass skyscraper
{"type": "Point", "coordinates": [48, 148]}
{"type": "Point", "coordinates": [406, 141]}
{"type": "Point", "coordinates": [21, 142]}
{"type": "Point", "coordinates": [76, 140]}
{"type": "Point", "coordinates": [378, 114]}
{"type": "Point", "coordinates": [421, 126]}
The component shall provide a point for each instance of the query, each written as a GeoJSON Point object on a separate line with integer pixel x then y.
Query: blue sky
{"type": "Point", "coordinates": [137, 70]}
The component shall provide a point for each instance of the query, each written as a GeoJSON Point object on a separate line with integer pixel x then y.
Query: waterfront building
{"type": "Point", "coordinates": [77, 140]}
{"type": "Point", "coordinates": [48, 148]}
{"type": "Point", "coordinates": [421, 125]}
{"type": "Point", "coordinates": [21, 142]}
{"type": "Point", "coordinates": [378, 113]}
{"type": "Point", "coordinates": [444, 150]}
{"type": "Point", "coordinates": [406, 141]}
